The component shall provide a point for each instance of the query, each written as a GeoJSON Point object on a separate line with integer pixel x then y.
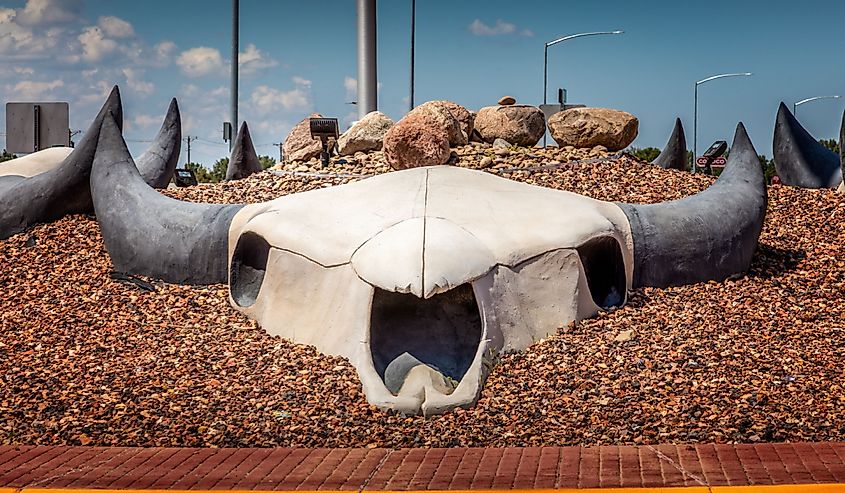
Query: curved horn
{"type": "Point", "coordinates": [48, 196]}
{"type": "Point", "coordinates": [708, 236]}
{"type": "Point", "coordinates": [243, 161]}
{"type": "Point", "coordinates": [158, 164]}
{"type": "Point", "coordinates": [799, 158]}
{"type": "Point", "coordinates": [149, 234]}
{"type": "Point", "coordinates": [674, 154]}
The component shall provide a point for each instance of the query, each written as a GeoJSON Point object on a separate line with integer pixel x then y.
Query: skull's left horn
{"type": "Point", "coordinates": [149, 234]}
{"type": "Point", "coordinates": [709, 236]}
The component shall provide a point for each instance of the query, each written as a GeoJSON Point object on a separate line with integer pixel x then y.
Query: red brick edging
{"type": "Point", "coordinates": [420, 469]}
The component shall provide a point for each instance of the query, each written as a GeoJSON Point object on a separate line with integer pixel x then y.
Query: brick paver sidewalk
{"type": "Point", "coordinates": [699, 466]}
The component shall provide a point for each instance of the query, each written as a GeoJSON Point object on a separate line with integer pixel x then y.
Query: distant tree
{"type": "Point", "coordinates": [267, 161]}
{"type": "Point", "coordinates": [831, 144]}
{"type": "Point", "coordinates": [647, 154]}
{"type": "Point", "coordinates": [768, 167]}
{"type": "Point", "coordinates": [218, 170]}
{"type": "Point", "coordinates": [7, 156]}
{"type": "Point", "coordinates": [203, 175]}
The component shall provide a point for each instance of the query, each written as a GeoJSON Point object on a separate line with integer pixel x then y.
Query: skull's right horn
{"type": "Point", "coordinates": [709, 236]}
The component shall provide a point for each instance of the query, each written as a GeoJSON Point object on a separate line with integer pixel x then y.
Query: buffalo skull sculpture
{"type": "Point", "coordinates": [420, 277]}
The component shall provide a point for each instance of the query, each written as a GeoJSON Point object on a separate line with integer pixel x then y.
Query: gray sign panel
{"type": "Point", "coordinates": [31, 127]}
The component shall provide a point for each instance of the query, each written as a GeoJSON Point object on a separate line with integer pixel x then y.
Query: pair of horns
{"type": "Point", "coordinates": [800, 160]}
{"type": "Point", "coordinates": [708, 236]}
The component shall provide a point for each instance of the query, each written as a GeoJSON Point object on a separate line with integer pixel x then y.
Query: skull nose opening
{"type": "Point", "coordinates": [407, 332]}
{"type": "Point", "coordinates": [249, 263]}
{"type": "Point", "coordinates": [604, 268]}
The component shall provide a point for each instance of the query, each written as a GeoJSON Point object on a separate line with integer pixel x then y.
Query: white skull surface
{"type": "Point", "coordinates": [419, 276]}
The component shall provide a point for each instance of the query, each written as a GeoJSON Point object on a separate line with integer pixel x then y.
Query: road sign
{"type": "Point", "coordinates": [31, 127]}
{"type": "Point", "coordinates": [701, 161]}
{"type": "Point", "coordinates": [719, 161]}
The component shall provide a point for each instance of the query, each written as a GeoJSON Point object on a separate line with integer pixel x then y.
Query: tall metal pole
{"type": "Point", "coordinates": [413, 35]}
{"type": "Point", "coordinates": [235, 51]}
{"type": "Point", "coordinates": [695, 131]}
{"type": "Point", "coordinates": [695, 114]}
{"type": "Point", "coordinates": [367, 73]}
{"type": "Point", "coordinates": [545, 81]}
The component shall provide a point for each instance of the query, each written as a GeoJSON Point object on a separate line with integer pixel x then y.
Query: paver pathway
{"type": "Point", "coordinates": [695, 467]}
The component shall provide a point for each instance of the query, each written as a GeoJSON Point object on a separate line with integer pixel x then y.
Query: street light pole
{"type": "Point", "coordinates": [546, 59]}
{"type": "Point", "coordinates": [799, 103]}
{"type": "Point", "coordinates": [413, 35]}
{"type": "Point", "coordinates": [235, 50]}
{"type": "Point", "coordinates": [695, 111]}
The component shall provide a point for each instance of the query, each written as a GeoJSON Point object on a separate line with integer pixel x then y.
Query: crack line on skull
{"type": "Point", "coordinates": [425, 212]}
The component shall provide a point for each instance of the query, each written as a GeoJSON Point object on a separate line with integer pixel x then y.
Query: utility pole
{"type": "Point", "coordinates": [189, 139]}
{"type": "Point", "coordinates": [367, 73]}
{"type": "Point", "coordinates": [413, 35]}
{"type": "Point", "coordinates": [281, 152]}
{"type": "Point", "coordinates": [235, 52]}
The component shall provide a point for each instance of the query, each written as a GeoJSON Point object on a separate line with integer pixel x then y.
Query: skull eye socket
{"type": "Point", "coordinates": [604, 268]}
{"type": "Point", "coordinates": [249, 263]}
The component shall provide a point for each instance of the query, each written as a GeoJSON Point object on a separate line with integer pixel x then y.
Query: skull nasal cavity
{"type": "Point", "coordinates": [605, 271]}
{"type": "Point", "coordinates": [249, 262]}
{"type": "Point", "coordinates": [442, 332]}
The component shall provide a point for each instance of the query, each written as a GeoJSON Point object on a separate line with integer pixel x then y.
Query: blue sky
{"type": "Point", "coordinates": [299, 56]}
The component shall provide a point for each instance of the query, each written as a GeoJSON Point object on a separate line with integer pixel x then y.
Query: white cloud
{"type": "Point", "coordinates": [351, 86]}
{"type": "Point", "coordinates": [145, 121]}
{"type": "Point", "coordinates": [115, 27]}
{"type": "Point", "coordinates": [479, 28]}
{"type": "Point", "coordinates": [268, 100]}
{"type": "Point", "coordinates": [200, 61]}
{"type": "Point", "coordinates": [49, 12]}
{"type": "Point", "coordinates": [20, 42]}
{"type": "Point", "coordinates": [135, 83]}
{"type": "Point", "coordinates": [252, 60]}
{"type": "Point", "coordinates": [33, 90]}
{"type": "Point", "coordinates": [164, 53]}
{"type": "Point", "coordinates": [24, 70]}
{"type": "Point", "coordinates": [95, 46]}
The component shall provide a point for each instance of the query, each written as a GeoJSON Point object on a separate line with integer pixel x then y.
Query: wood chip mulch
{"type": "Point", "coordinates": [93, 358]}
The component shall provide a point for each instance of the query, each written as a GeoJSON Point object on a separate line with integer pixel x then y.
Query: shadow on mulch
{"type": "Point", "coordinates": [770, 262]}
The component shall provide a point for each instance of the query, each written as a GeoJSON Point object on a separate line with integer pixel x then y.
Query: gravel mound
{"type": "Point", "coordinates": [92, 358]}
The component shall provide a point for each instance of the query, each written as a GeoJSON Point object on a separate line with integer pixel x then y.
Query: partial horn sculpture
{"type": "Point", "coordinates": [800, 160]}
{"type": "Point", "coordinates": [674, 154]}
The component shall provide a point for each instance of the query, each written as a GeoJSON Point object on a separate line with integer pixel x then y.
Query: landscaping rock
{"type": "Point", "coordinates": [299, 146]}
{"type": "Point", "coordinates": [440, 112]}
{"type": "Point", "coordinates": [519, 124]}
{"type": "Point", "coordinates": [507, 100]}
{"type": "Point", "coordinates": [365, 135]}
{"type": "Point", "coordinates": [418, 139]}
{"type": "Point", "coordinates": [591, 127]}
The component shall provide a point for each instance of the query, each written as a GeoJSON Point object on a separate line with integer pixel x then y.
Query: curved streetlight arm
{"type": "Point", "coordinates": [581, 35]}
{"type": "Point", "coordinates": [799, 103]}
{"type": "Point", "coordinates": [722, 76]}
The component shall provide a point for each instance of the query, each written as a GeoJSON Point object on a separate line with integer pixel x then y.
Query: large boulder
{"type": "Point", "coordinates": [299, 146]}
{"type": "Point", "coordinates": [519, 124]}
{"type": "Point", "coordinates": [444, 114]}
{"type": "Point", "coordinates": [416, 140]}
{"type": "Point", "coordinates": [367, 134]}
{"type": "Point", "coordinates": [590, 127]}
